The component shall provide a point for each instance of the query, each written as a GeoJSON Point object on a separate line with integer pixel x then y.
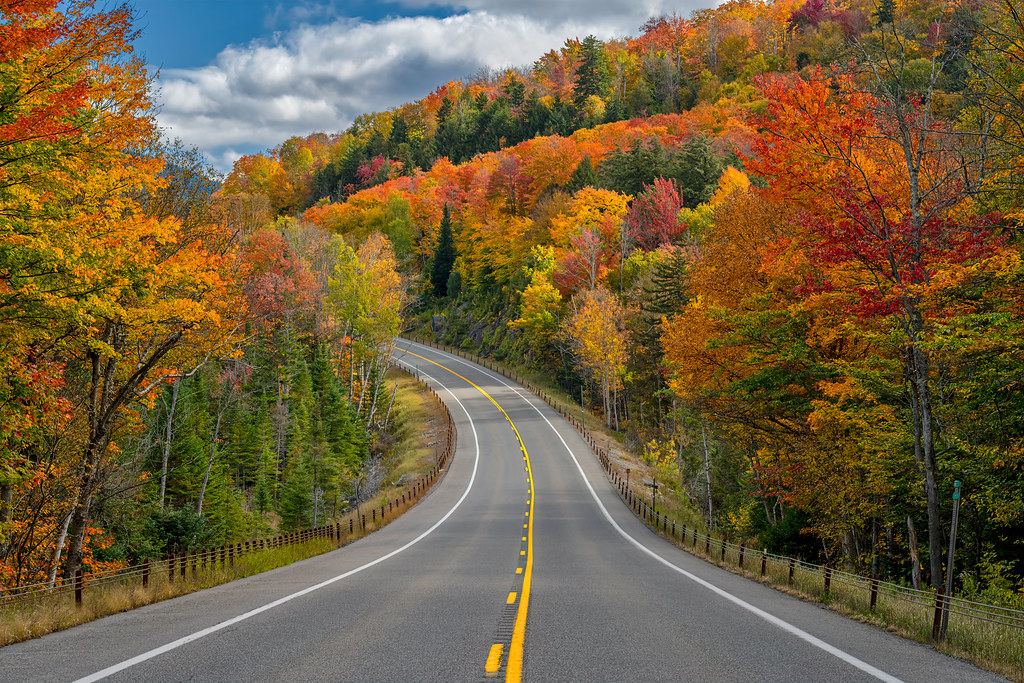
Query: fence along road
{"type": "Point", "coordinates": [436, 595]}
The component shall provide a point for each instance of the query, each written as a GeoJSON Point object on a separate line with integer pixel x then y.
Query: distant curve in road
{"type": "Point", "coordinates": [441, 593]}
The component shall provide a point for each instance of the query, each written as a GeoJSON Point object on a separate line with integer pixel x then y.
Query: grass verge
{"type": "Point", "coordinates": [47, 613]}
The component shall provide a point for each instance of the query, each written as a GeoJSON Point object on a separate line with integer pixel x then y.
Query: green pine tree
{"type": "Point", "coordinates": [444, 255]}
{"type": "Point", "coordinates": [296, 508]}
{"type": "Point", "coordinates": [696, 170]}
{"type": "Point", "coordinates": [583, 176]}
{"type": "Point", "coordinates": [592, 73]}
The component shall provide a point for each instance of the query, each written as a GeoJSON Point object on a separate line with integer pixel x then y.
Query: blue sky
{"type": "Point", "coordinates": [239, 76]}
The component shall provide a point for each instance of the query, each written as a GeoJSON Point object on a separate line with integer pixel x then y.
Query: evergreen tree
{"type": "Point", "coordinates": [444, 255]}
{"type": "Point", "coordinates": [399, 134]}
{"type": "Point", "coordinates": [592, 73]}
{"type": "Point", "coordinates": [516, 92]}
{"type": "Point", "coordinates": [224, 507]}
{"type": "Point", "coordinates": [667, 293]}
{"type": "Point", "coordinates": [190, 444]}
{"type": "Point", "coordinates": [630, 170]}
{"type": "Point", "coordinates": [296, 508]}
{"type": "Point", "coordinates": [535, 116]}
{"type": "Point", "coordinates": [265, 493]}
{"type": "Point", "coordinates": [583, 176]}
{"type": "Point", "coordinates": [697, 170]}
{"type": "Point", "coordinates": [445, 110]}
{"type": "Point", "coordinates": [884, 12]}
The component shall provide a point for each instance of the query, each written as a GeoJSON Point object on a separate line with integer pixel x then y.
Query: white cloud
{"type": "Point", "coordinates": [319, 78]}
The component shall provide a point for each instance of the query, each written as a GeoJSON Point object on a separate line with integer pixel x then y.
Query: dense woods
{"type": "Point", "coordinates": [776, 244]}
{"type": "Point", "coordinates": [181, 369]}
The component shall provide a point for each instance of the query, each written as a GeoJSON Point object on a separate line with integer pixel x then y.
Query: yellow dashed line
{"type": "Point", "coordinates": [511, 598]}
{"type": "Point", "coordinates": [494, 659]}
{"type": "Point", "coordinates": [519, 570]}
{"type": "Point", "coordinates": [514, 666]}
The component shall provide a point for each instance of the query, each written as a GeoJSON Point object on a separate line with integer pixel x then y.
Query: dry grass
{"type": "Point", "coordinates": [47, 613]}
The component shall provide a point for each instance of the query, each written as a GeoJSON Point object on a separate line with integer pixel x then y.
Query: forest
{"type": "Point", "coordinates": [776, 244]}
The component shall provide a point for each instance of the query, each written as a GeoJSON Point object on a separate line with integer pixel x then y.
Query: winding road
{"type": "Point", "coordinates": [520, 564]}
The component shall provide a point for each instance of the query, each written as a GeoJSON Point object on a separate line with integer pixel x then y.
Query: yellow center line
{"type": "Point", "coordinates": [511, 598]}
{"type": "Point", "coordinates": [514, 667]}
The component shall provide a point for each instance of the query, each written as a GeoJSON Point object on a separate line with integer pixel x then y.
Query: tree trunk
{"type": "Point", "coordinates": [58, 549]}
{"type": "Point", "coordinates": [376, 393]}
{"type": "Point", "coordinates": [362, 392]}
{"type": "Point", "coordinates": [387, 416]}
{"type": "Point", "coordinates": [79, 520]}
{"type": "Point", "coordinates": [707, 473]}
{"type": "Point", "coordinates": [167, 442]}
{"type": "Point", "coordinates": [921, 384]}
{"type": "Point", "coordinates": [351, 367]}
{"type": "Point", "coordinates": [915, 558]}
{"type": "Point", "coordinates": [6, 513]}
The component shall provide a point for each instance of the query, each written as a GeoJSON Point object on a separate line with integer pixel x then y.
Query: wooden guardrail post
{"type": "Point", "coordinates": [940, 599]}
{"type": "Point", "coordinates": [79, 581]}
{"type": "Point", "coordinates": [145, 573]}
{"type": "Point", "coordinates": [874, 590]}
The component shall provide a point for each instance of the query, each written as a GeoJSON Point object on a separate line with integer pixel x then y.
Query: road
{"type": "Point", "coordinates": [521, 560]}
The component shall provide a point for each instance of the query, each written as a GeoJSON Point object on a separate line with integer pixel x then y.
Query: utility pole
{"type": "Point", "coordinates": [949, 560]}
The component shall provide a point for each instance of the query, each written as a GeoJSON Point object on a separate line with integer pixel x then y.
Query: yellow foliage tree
{"type": "Point", "coordinates": [597, 334]}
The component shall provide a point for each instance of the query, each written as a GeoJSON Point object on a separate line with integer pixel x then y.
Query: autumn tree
{"type": "Point", "coordinates": [653, 218]}
{"type": "Point", "coordinates": [595, 330]}
{"type": "Point", "coordinates": [883, 188]}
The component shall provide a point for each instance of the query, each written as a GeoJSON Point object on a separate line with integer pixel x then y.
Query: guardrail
{"type": "Point", "coordinates": [786, 569]}
{"type": "Point", "coordinates": [349, 527]}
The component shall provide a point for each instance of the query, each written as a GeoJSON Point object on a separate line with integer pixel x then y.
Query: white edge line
{"type": "Point", "coordinates": [770, 618]}
{"type": "Point", "coordinates": [145, 656]}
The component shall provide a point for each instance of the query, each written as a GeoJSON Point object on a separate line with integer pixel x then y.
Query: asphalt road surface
{"type": "Point", "coordinates": [521, 564]}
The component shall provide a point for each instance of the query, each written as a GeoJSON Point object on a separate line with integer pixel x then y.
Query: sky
{"type": "Point", "coordinates": [241, 76]}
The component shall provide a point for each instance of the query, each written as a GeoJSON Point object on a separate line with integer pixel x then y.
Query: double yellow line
{"type": "Point", "coordinates": [514, 665]}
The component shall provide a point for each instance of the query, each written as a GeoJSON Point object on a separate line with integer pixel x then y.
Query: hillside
{"type": "Point", "coordinates": [775, 240]}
